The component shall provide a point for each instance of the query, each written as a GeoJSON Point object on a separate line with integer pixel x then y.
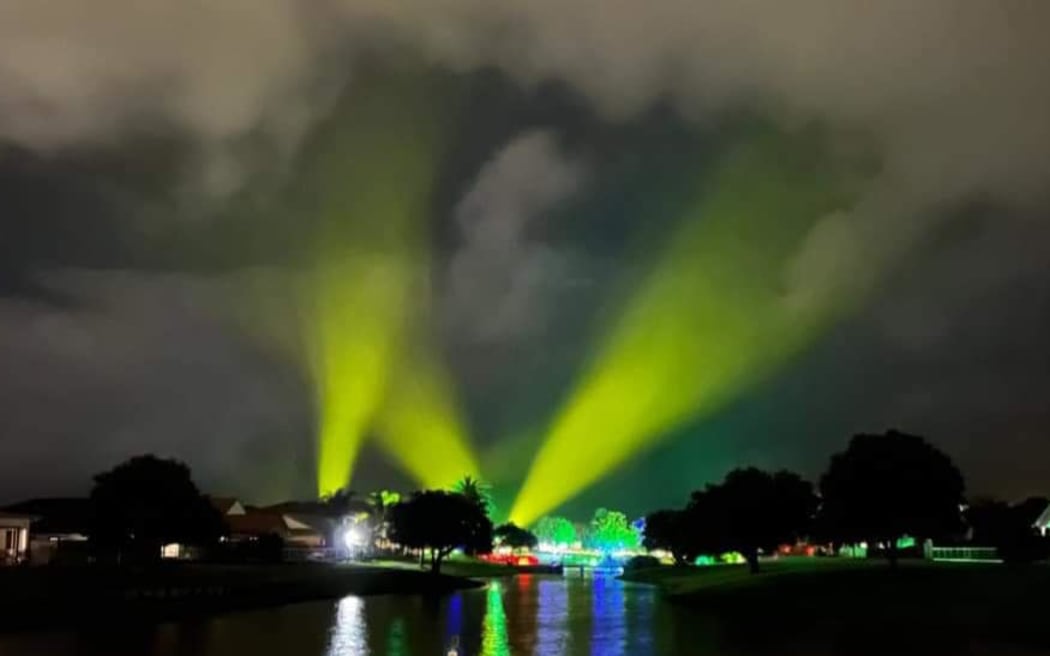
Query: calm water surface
{"type": "Point", "coordinates": [541, 615]}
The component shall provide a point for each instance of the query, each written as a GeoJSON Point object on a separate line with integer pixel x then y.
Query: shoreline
{"type": "Point", "coordinates": [61, 597]}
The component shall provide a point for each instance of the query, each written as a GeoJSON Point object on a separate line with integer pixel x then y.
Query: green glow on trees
{"type": "Point", "coordinates": [609, 531]}
{"type": "Point", "coordinates": [557, 531]}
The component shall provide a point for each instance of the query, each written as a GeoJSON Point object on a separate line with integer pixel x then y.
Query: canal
{"type": "Point", "coordinates": [543, 615]}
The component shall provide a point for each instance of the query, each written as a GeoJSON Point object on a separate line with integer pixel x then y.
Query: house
{"type": "Point", "coordinates": [227, 506]}
{"type": "Point", "coordinates": [1042, 522]}
{"type": "Point", "coordinates": [14, 538]}
{"type": "Point", "coordinates": [296, 529]}
{"type": "Point", "coordinates": [60, 528]}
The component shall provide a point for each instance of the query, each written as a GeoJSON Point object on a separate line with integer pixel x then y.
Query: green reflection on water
{"type": "Point", "coordinates": [494, 628]}
{"type": "Point", "coordinates": [395, 638]}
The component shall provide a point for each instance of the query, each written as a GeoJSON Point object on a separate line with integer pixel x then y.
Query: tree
{"type": "Point", "coordinates": [609, 530]}
{"type": "Point", "coordinates": [1010, 529]}
{"type": "Point", "coordinates": [557, 531]}
{"type": "Point", "coordinates": [476, 491]}
{"type": "Point", "coordinates": [145, 503]}
{"type": "Point", "coordinates": [381, 500]}
{"type": "Point", "coordinates": [883, 487]}
{"type": "Point", "coordinates": [440, 521]}
{"type": "Point", "coordinates": [990, 522]}
{"type": "Point", "coordinates": [671, 530]}
{"type": "Point", "coordinates": [750, 511]}
{"type": "Point", "coordinates": [515, 537]}
{"type": "Point", "coordinates": [339, 503]}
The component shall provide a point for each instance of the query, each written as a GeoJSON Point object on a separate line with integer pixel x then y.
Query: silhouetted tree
{"type": "Point", "coordinates": [750, 511]}
{"type": "Point", "coordinates": [440, 521]}
{"type": "Point", "coordinates": [555, 530]}
{"type": "Point", "coordinates": [990, 520]}
{"type": "Point", "coordinates": [883, 487]}
{"type": "Point", "coordinates": [515, 537]}
{"type": "Point", "coordinates": [671, 530]}
{"type": "Point", "coordinates": [145, 503]}
{"type": "Point", "coordinates": [339, 503]}
{"type": "Point", "coordinates": [1010, 529]}
{"type": "Point", "coordinates": [1029, 510]}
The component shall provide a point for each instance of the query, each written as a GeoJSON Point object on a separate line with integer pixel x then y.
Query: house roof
{"type": "Point", "coordinates": [1043, 520]}
{"type": "Point", "coordinates": [8, 519]}
{"type": "Point", "coordinates": [226, 505]}
{"type": "Point", "coordinates": [256, 523]}
{"type": "Point", "coordinates": [60, 515]}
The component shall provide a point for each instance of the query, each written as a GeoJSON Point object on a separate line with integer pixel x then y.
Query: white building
{"type": "Point", "coordinates": [14, 538]}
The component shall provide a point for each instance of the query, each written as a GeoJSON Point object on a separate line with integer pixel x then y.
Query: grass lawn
{"type": "Point", "coordinates": [866, 607]}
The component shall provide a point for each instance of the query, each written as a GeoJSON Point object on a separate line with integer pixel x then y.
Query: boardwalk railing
{"type": "Point", "coordinates": [964, 554]}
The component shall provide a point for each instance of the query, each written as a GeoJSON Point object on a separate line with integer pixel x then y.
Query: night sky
{"type": "Point", "coordinates": [159, 167]}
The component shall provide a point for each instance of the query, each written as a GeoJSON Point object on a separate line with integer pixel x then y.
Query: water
{"type": "Point", "coordinates": [542, 615]}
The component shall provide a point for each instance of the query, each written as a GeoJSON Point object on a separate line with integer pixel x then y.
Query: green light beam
{"type": "Point", "coordinates": [420, 424]}
{"type": "Point", "coordinates": [375, 173]}
{"type": "Point", "coordinates": [710, 320]}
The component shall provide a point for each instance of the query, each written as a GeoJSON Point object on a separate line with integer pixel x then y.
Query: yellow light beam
{"type": "Point", "coordinates": [420, 424]}
{"type": "Point", "coordinates": [711, 319]}
{"type": "Point", "coordinates": [375, 171]}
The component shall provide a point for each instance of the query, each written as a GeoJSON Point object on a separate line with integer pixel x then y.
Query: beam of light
{"type": "Point", "coordinates": [374, 173]}
{"type": "Point", "coordinates": [711, 318]}
{"type": "Point", "coordinates": [420, 425]}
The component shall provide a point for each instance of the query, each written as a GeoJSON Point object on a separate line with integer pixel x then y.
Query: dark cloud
{"type": "Point", "coordinates": [500, 276]}
{"type": "Point", "coordinates": [151, 230]}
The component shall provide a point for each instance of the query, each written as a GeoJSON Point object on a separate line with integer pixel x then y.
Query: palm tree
{"type": "Point", "coordinates": [477, 491]}
{"type": "Point", "coordinates": [381, 502]}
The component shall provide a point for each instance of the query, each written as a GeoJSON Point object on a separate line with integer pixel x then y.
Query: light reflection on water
{"type": "Point", "coordinates": [494, 627]}
{"type": "Point", "coordinates": [541, 615]}
{"type": "Point", "coordinates": [348, 632]}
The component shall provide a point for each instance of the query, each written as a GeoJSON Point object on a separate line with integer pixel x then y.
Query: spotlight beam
{"type": "Point", "coordinates": [710, 320]}
{"type": "Point", "coordinates": [374, 173]}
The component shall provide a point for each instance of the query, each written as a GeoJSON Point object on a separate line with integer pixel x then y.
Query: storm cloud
{"type": "Point", "coordinates": [947, 100]}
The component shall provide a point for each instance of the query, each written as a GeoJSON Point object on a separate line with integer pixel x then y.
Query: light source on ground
{"type": "Point", "coordinates": [355, 537]}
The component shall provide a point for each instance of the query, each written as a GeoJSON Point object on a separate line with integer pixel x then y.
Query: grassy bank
{"type": "Point", "coordinates": [864, 606]}
{"type": "Point", "coordinates": [45, 596]}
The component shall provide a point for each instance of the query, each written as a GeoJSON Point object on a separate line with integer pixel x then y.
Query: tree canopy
{"type": "Point", "coordinates": [340, 503]}
{"type": "Point", "coordinates": [1009, 528]}
{"type": "Point", "coordinates": [751, 510]}
{"type": "Point", "coordinates": [440, 521]}
{"type": "Point", "coordinates": [609, 530]}
{"type": "Point", "coordinates": [883, 487]}
{"type": "Point", "coordinates": [670, 530]}
{"type": "Point", "coordinates": [515, 537]}
{"type": "Point", "coordinates": [555, 530]}
{"type": "Point", "coordinates": [147, 502]}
